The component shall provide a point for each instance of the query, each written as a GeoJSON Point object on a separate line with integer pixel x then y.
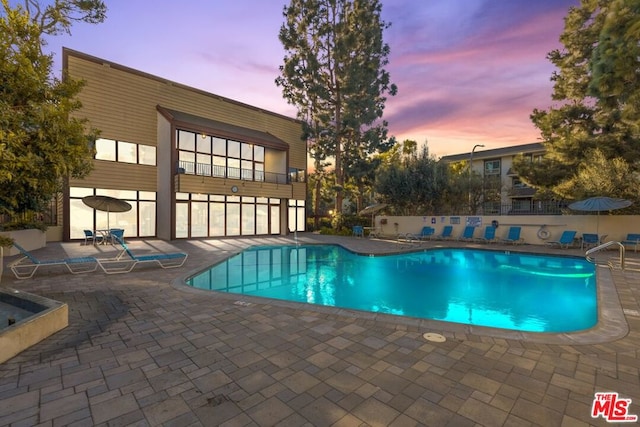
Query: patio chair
{"type": "Point", "coordinates": [632, 239]}
{"type": "Point", "coordinates": [589, 240]}
{"type": "Point", "coordinates": [91, 236]}
{"type": "Point", "coordinates": [26, 267]}
{"type": "Point", "coordinates": [116, 234]}
{"type": "Point", "coordinates": [489, 235]}
{"type": "Point", "coordinates": [126, 260]}
{"type": "Point", "coordinates": [446, 234]}
{"type": "Point", "coordinates": [513, 236]}
{"type": "Point", "coordinates": [467, 234]}
{"type": "Point", "coordinates": [427, 233]}
{"type": "Point", "coordinates": [358, 231]}
{"type": "Point", "coordinates": [566, 240]}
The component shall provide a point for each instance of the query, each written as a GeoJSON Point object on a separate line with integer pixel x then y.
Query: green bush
{"type": "Point", "coordinates": [23, 225]}
{"type": "Point", "coordinates": [6, 241]}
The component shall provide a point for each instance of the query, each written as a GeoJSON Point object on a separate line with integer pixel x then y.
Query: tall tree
{"type": "Point", "coordinates": [40, 142]}
{"type": "Point", "coordinates": [598, 94]}
{"type": "Point", "coordinates": [333, 72]}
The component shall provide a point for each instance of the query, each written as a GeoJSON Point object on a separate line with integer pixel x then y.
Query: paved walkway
{"type": "Point", "coordinates": [141, 349]}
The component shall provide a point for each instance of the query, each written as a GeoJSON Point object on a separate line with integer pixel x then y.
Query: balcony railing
{"type": "Point", "coordinates": [203, 169]}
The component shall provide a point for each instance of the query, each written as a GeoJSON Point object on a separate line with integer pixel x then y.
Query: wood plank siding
{"type": "Point", "coordinates": [121, 102]}
{"type": "Point", "coordinates": [110, 175]}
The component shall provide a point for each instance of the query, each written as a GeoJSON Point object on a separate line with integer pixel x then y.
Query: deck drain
{"type": "Point", "coordinates": [430, 336]}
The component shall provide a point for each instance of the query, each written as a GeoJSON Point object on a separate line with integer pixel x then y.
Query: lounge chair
{"type": "Point", "coordinates": [446, 233]}
{"type": "Point", "coordinates": [126, 260]}
{"type": "Point", "coordinates": [89, 235]}
{"type": "Point", "coordinates": [513, 236]}
{"type": "Point", "coordinates": [467, 234]}
{"type": "Point", "coordinates": [489, 235]}
{"type": "Point", "coordinates": [26, 267]}
{"type": "Point", "coordinates": [566, 240]}
{"type": "Point", "coordinates": [589, 240]}
{"type": "Point", "coordinates": [408, 237]}
{"type": "Point", "coordinates": [427, 233]}
{"type": "Point", "coordinates": [632, 239]}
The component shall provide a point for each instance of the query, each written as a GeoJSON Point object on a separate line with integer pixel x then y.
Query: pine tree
{"type": "Point", "coordinates": [333, 73]}
{"type": "Point", "coordinates": [597, 94]}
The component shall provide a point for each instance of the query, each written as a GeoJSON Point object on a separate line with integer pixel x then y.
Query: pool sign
{"type": "Point", "coordinates": [612, 408]}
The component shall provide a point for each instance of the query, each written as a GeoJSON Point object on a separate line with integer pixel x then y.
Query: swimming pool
{"type": "Point", "coordinates": [517, 291]}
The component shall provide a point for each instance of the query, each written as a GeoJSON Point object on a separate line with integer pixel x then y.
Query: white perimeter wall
{"type": "Point", "coordinates": [616, 227]}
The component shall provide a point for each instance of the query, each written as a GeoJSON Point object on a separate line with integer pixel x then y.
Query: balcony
{"type": "Point", "coordinates": [207, 170]}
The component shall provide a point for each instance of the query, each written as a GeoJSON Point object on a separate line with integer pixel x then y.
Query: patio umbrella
{"type": "Point", "coordinates": [372, 209]}
{"type": "Point", "coordinates": [106, 204]}
{"type": "Point", "coordinates": [597, 204]}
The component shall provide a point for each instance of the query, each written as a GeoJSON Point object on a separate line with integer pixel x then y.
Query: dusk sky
{"type": "Point", "coordinates": [468, 71]}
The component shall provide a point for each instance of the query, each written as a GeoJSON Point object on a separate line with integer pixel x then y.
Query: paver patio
{"type": "Point", "coordinates": [143, 349]}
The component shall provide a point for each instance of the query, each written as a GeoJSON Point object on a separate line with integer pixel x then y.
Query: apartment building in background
{"type": "Point", "coordinates": [495, 166]}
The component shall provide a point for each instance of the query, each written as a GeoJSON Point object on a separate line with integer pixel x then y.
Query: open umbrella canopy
{"type": "Point", "coordinates": [106, 203]}
{"type": "Point", "coordinates": [371, 209]}
{"type": "Point", "coordinates": [597, 204]}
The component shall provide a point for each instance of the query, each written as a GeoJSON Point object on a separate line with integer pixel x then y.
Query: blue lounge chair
{"type": "Point", "coordinates": [589, 240]}
{"type": "Point", "coordinates": [489, 235]}
{"type": "Point", "coordinates": [566, 239]}
{"type": "Point", "coordinates": [513, 236]}
{"type": "Point", "coordinates": [632, 239]}
{"type": "Point", "coordinates": [427, 233]}
{"type": "Point", "coordinates": [467, 234]}
{"type": "Point", "coordinates": [26, 267]}
{"type": "Point", "coordinates": [446, 233]}
{"type": "Point", "coordinates": [126, 260]}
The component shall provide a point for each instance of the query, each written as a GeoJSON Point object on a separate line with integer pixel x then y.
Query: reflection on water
{"type": "Point", "coordinates": [487, 288]}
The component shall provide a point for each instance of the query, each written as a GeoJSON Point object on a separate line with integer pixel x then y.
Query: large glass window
{"type": "Point", "coordinates": [140, 221]}
{"type": "Point", "coordinates": [296, 215]}
{"type": "Point", "coordinates": [212, 156]}
{"type": "Point", "coordinates": [125, 152]}
{"type": "Point", "coordinates": [146, 155]}
{"type": "Point", "coordinates": [201, 215]}
{"type": "Point", "coordinates": [182, 220]}
{"type": "Point", "coordinates": [105, 149]}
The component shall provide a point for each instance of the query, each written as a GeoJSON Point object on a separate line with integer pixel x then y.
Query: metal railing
{"type": "Point", "coordinates": [603, 247]}
{"type": "Point", "coordinates": [203, 169]}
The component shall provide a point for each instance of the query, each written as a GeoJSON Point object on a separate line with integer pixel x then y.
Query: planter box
{"type": "Point", "coordinates": [28, 239]}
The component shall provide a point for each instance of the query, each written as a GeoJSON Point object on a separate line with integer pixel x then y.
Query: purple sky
{"type": "Point", "coordinates": [468, 71]}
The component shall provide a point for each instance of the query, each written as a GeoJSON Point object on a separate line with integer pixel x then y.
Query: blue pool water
{"type": "Point", "coordinates": [516, 291]}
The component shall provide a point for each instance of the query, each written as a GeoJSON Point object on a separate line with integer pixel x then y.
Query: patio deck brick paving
{"type": "Point", "coordinates": [143, 349]}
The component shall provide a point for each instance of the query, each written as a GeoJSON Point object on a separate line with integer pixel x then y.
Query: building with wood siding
{"type": "Point", "coordinates": [192, 164]}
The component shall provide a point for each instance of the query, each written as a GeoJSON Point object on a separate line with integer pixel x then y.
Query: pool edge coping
{"type": "Point", "coordinates": [611, 326]}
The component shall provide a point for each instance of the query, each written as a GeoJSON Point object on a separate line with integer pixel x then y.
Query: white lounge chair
{"type": "Point", "coordinates": [26, 267]}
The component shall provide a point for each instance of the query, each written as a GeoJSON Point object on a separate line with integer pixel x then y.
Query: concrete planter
{"type": "Point", "coordinates": [29, 239]}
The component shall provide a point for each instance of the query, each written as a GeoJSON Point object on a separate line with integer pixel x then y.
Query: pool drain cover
{"type": "Point", "coordinates": [430, 336]}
